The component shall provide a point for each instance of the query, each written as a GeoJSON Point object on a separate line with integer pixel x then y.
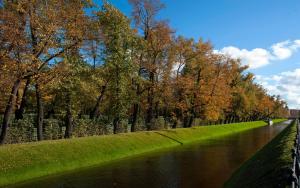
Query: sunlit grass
{"type": "Point", "coordinates": [21, 162]}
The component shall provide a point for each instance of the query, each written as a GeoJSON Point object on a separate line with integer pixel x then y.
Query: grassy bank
{"type": "Point", "coordinates": [21, 162]}
{"type": "Point", "coordinates": [268, 167]}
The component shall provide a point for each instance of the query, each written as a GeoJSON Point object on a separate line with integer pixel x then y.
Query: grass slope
{"type": "Point", "coordinates": [20, 162]}
{"type": "Point", "coordinates": [270, 166]}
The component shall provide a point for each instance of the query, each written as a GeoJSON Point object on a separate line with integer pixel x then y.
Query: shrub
{"type": "Point", "coordinates": [158, 123]}
{"type": "Point", "coordinates": [197, 122]}
{"type": "Point", "coordinates": [21, 131]}
{"type": "Point", "coordinates": [140, 125]}
{"type": "Point", "coordinates": [52, 129]}
{"type": "Point", "coordinates": [123, 126]}
{"type": "Point", "coordinates": [89, 127]}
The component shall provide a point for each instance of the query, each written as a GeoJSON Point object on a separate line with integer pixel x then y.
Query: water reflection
{"type": "Point", "coordinates": [200, 165]}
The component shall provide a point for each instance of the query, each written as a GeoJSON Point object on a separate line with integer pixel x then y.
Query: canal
{"type": "Point", "coordinates": [206, 165]}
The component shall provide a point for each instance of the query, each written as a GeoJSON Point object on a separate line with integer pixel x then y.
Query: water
{"type": "Point", "coordinates": [206, 165]}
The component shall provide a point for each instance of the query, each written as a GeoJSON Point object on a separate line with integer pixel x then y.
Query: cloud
{"type": "Point", "coordinates": [285, 84]}
{"type": "Point", "coordinates": [255, 58]}
{"type": "Point", "coordinates": [260, 57]}
{"type": "Point", "coordinates": [282, 50]}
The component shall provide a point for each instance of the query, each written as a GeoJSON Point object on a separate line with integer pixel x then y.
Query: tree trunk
{"type": "Point", "coordinates": [134, 116]}
{"type": "Point", "coordinates": [94, 60]}
{"type": "Point", "coordinates": [156, 110]}
{"type": "Point", "coordinates": [191, 120]}
{"type": "Point", "coordinates": [118, 109]}
{"type": "Point", "coordinates": [20, 111]}
{"type": "Point", "coordinates": [149, 113]}
{"type": "Point", "coordinates": [17, 106]}
{"type": "Point", "coordinates": [69, 118]}
{"type": "Point", "coordinates": [185, 120]}
{"type": "Point", "coordinates": [150, 103]}
{"type": "Point", "coordinates": [116, 124]}
{"type": "Point", "coordinates": [193, 110]}
{"type": "Point", "coordinates": [8, 110]}
{"type": "Point", "coordinates": [40, 113]}
{"type": "Point", "coordinates": [174, 124]}
{"type": "Point", "coordinates": [95, 112]}
{"type": "Point", "coordinates": [136, 105]}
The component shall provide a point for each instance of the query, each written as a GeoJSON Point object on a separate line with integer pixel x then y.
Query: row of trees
{"type": "Point", "coordinates": [55, 58]}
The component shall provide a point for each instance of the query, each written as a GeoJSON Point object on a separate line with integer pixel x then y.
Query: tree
{"type": "Point", "coordinates": [144, 15]}
{"type": "Point", "coordinates": [118, 50]}
{"type": "Point", "coordinates": [197, 73]}
{"type": "Point", "coordinates": [31, 38]}
{"type": "Point", "coordinates": [58, 61]}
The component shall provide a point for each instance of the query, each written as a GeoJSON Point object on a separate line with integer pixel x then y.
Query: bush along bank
{"type": "Point", "coordinates": [271, 166]}
{"type": "Point", "coordinates": [25, 130]}
{"type": "Point", "coordinates": [20, 162]}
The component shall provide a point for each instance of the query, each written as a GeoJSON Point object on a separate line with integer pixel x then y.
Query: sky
{"type": "Point", "coordinates": [264, 34]}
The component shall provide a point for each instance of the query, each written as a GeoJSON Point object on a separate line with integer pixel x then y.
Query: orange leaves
{"type": "Point", "coordinates": [146, 65]}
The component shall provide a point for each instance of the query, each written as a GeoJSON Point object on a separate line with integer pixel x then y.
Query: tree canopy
{"type": "Point", "coordinates": [58, 61]}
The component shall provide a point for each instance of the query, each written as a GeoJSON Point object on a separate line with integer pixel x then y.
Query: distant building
{"type": "Point", "coordinates": [294, 113]}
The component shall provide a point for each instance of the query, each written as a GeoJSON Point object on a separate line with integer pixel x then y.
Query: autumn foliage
{"type": "Point", "coordinates": [59, 60]}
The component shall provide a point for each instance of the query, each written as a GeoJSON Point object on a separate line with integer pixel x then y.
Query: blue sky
{"type": "Point", "coordinates": [263, 33]}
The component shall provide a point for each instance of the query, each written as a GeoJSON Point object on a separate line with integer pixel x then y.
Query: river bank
{"type": "Point", "coordinates": [22, 162]}
{"type": "Point", "coordinates": [269, 167]}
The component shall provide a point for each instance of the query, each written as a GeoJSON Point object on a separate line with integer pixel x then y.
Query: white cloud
{"type": "Point", "coordinates": [296, 45]}
{"type": "Point", "coordinates": [255, 58]}
{"type": "Point", "coordinates": [282, 50]}
{"type": "Point", "coordinates": [260, 57]}
{"type": "Point", "coordinates": [285, 84]}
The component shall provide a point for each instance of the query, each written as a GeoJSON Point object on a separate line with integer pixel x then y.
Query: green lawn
{"type": "Point", "coordinates": [270, 166]}
{"type": "Point", "coordinates": [20, 162]}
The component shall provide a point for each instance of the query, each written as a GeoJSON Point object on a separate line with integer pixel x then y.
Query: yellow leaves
{"type": "Point", "coordinates": [212, 114]}
{"type": "Point", "coordinates": [48, 98]}
{"type": "Point", "coordinates": [177, 76]}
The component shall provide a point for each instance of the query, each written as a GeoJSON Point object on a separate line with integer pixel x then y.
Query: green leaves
{"type": "Point", "coordinates": [119, 41]}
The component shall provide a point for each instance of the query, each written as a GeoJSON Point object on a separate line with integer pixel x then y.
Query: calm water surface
{"type": "Point", "coordinates": [199, 165]}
